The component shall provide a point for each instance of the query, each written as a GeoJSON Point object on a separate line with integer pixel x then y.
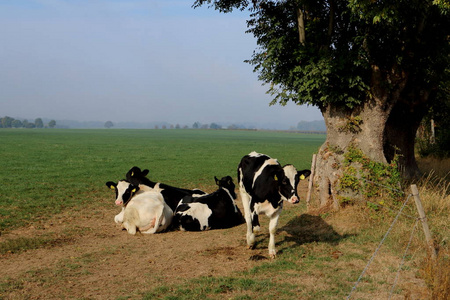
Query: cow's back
{"type": "Point", "coordinates": [256, 173]}
{"type": "Point", "coordinates": [248, 166]}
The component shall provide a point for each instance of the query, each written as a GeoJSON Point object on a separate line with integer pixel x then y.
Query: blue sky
{"type": "Point", "coordinates": [132, 60]}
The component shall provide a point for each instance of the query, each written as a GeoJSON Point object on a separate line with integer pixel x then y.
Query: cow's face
{"type": "Point", "coordinates": [227, 183]}
{"type": "Point", "coordinates": [124, 191]}
{"type": "Point", "coordinates": [289, 184]}
{"type": "Point", "coordinates": [136, 172]}
{"type": "Point", "coordinates": [286, 184]}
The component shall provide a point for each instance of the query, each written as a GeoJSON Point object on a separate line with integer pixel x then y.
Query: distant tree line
{"type": "Point", "coordinates": [303, 126]}
{"type": "Point", "coordinates": [196, 125]}
{"type": "Point", "coordinates": [8, 122]}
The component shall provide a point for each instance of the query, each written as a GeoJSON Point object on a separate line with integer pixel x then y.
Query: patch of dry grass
{"type": "Point", "coordinates": [432, 165]}
{"type": "Point", "coordinates": [434, 191]}
{"type": "Point", "coordinates": [435, 195]}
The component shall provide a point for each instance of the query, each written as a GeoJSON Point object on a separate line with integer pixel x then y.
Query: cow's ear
{"type": "Point", "coordinates": [133, 171]}
{"type": "Point", "coordinates": [145, 172]}
{"type": "Point", "coordinates": [135, 189]}
{"type": "Point", "coordinates": [111, 185]}
{"type": "Point", "coordinates": [229, 180]}
{"type": "Point", "coordinates": [217, 180]}
{"type": "Point", "coordinates": [303, 174]}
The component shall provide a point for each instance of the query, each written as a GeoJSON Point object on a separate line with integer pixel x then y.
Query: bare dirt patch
{"type": "Point", "coordinates": [86, 255]}
{"type": "Point", "coordinates": [101, 261]}
{"type": "Point", "coordinates": [89, 257]}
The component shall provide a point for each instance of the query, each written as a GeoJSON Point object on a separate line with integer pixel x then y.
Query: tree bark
{"type": "Point", "coordinates": [382, 127]}
{"type": "Point", "coordinates": [401, 129]}
{"type": "Point", "coordinates": [400, 133]}
{"type": "Point", "coordinates": [301, 26]}
{"type": "Point", "coordinates": [362, 128]}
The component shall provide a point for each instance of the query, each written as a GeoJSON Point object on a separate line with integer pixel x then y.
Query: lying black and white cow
{"type": "Point", "coordinates": [213, 211]}
{"type": "Point", "coordinates": [172, 195]}
{"type": "Point", "coordinates": [263, 185]}
{"type": "Point", "coordinates": [143, 209]}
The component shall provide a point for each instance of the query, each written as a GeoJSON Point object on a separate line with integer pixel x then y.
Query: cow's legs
{"type": "Point", "coordinates": [248, 219]}
{"type": "Point", "coordinates": [119, 217]}
{"type": "Point", "coordinates": [131, 228]}
{"type": "Point", "coordinates": [255, 222]}
{"type": "Point", "coordinates": [272, 230]}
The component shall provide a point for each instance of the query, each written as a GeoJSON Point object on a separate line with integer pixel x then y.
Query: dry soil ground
{"type": "Point", "coordinates": [89, 257]}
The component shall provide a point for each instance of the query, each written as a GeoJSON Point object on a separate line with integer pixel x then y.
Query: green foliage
{"type": "Point", "coordinates": [8, 122]}
{"type": "Point", "coordinates": [109, 124]}
{"type": "Point", "coordinates": [440, 114]}
{"type": "Point", "coordinates": [353, 125]}
{"type": "Point", "coordinates": [349, 179]}
{"type": "Point", "coordinates": [324, 70]}
{"type": "Point", "coordinates": [353, 52]}
{"type": "Point", "coordinates": [369, 178]}
{"type": "Point", "coordinates": [344, 41]}
{"type": "Point", "coordinates": [39, 123]}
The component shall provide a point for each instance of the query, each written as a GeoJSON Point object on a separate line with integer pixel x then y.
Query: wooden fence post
{"type": "Point", "coordinates": [423, 219]}
{"type": "Point", "coordinates": [311, 179]}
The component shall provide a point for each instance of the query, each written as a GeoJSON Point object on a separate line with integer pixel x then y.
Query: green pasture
{"type": "Point", "coordinates": [47, 171]}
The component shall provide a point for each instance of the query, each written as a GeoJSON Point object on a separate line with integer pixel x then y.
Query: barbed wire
{"type": "Point", "coordinates": [390, 209]}
{"type": "Point", "coordinates": [403, 259]}
{"type": "Point", "coordinates": [385, 186]}
{"type": "Point", "coordinates": [384, 205]}
{"type": "Point", "coordinates": [379, 246]}
{"type": "Point", "coordinates": [399, 213]}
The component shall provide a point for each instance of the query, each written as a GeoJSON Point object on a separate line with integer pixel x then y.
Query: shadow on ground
{"type": "Point", "coordinates": [309, 228]}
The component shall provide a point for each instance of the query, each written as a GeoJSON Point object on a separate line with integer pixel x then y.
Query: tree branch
{"type": "Point", "coordinates": [301, 26]}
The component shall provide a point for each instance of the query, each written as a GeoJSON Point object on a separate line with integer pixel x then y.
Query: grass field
{"type": "Point", "coordinates": [58, 239]}
{"type": "Point", "coordinates": [46, 171]}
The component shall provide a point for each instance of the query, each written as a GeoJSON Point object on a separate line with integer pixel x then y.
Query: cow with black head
{"type": "Point", "coordinates": [217, 210]}
{"type": "Point", "coordinates": [172, 195]}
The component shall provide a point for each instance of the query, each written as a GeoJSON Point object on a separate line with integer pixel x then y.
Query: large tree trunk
{"type": "Point", "coordinates": [362, 128]}
{"type": "Point", "coordinates": [382, 128]}
{"type": "Point", "coordinates": [401, 128]}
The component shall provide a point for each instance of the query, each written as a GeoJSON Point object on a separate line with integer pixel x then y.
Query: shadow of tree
{"type": "Point", "coordinates": [308, 228]}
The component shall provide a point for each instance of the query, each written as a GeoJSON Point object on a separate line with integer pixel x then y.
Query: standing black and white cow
{"type": "Point", "coordinates": [263, 185]}
{"type": "Point", "coordinates": [217, 210]}
{"type": "Point", "coordinates": [172, 195]}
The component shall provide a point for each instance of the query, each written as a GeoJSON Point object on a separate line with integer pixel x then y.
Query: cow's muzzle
{"type": "Point", "coordinates": [294, 200]}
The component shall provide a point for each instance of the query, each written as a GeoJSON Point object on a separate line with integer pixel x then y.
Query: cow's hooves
{"type": "Point", "coordinates": [273, 256]}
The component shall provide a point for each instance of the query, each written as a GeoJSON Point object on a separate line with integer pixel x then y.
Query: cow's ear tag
{"type": "Point", "coordinates": [133, 190]}
{"type": "Point", "coordinates": [275, 177]}
{"type": "Point", "coordinates": [112, 187]}
{"type": "Point", "coordinates": [132, 173]}
{"type": "Point", "coordinates": [302, 177]}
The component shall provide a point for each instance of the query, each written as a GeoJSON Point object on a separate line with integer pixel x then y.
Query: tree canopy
{"type": "Point", "coordinates": [373, 68]}
{"type": "Point", "coordinates": [320, 52]}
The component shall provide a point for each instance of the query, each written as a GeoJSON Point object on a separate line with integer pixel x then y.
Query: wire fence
{"type": "Point", "coordinates": [399, 213]}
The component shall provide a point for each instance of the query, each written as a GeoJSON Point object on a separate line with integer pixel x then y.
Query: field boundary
{"type": "Point", "coordinates": [421, 218]}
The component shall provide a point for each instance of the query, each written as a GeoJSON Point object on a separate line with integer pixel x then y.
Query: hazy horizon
{"type": "Point", "coordinates": [132, 61]}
